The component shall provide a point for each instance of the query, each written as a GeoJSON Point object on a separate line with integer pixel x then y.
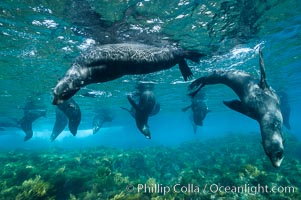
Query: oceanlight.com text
{"type": "Point", "coordinates": [249, 189]}
{"type": "Point", "coordinates": [209, 188]}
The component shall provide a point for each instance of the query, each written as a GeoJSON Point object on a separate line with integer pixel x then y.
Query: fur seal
{"type": "Point", "coordinates": [143, 109]}
{"type": "Point", "coordinates": [257, 100]}
{"type": "Point", "coordinates": [155, 110]}
{"type": "Point", "coordinates": [25, 123]}
{"type": "Point", "coordinates": [103, 115]}
{"type": "Point", "coordinates": [141, 87]}
{"type": "Point", "coordinates": [71, 109]}
{"type": "Point", "coordinates": [199, 110]}
{"type": "Point", "coordinates": [29, 117]}
{"type": "Point", "coordinates": [111, 61]}
{"type": "Point", "coordinates": [32, 110]}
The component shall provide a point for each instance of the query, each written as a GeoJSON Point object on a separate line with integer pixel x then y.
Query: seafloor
{"type": "Point", "coordinates": [192, 170]}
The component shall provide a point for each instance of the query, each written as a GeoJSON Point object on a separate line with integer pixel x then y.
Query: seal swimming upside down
{"type": "Point", "coordinates": [142, 87]}
{"type": "Point", "coordinates": [199, 110]}
{"type": "Point", "coordinates": [108, 62]}
{"type": "Point", "coordinates": [256, 100]}
{"type": "Point", "coordinates": [143, 110]}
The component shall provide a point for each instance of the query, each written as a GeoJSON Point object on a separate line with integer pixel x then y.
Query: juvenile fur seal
{"type": "Point", "coordinates": [141, 87]}
{"type": "Point", "coordinates": [25, 123]}
{"type": "Point", "coordinates": [29, 117]}
{"type": "Point", "coordinates": [199, 109]}
{"type": "Point", "coordinates": [257, 101]}
{"type": "Point", "coordinates": [143, 109]}
{"type": "Point", "coordinates": [32, 110]}
{"type": "Point", "coordinates": [108, 62]}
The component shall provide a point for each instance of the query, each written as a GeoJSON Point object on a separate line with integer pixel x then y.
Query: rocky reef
{"type": "Point", "coordinates": [227, 167]}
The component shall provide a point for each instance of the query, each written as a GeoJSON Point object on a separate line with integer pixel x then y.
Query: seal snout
{"type": "Point", "coordinates": [277, 163]}
{"type": "Point", "coordinates": [279, 154]}
{"type": "Point", "coordinates": [278, 158]}
{"type": "Point", "coordinates": [146, 132]}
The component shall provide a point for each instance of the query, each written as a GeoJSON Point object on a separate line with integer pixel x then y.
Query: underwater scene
{"type": "Point", "coordinates": [150, 100]}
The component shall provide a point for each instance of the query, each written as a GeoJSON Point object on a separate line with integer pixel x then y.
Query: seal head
{"type": "Point", "coordinates": [272, 139]}
{"type": "Point", "coordinates": [64, 90]}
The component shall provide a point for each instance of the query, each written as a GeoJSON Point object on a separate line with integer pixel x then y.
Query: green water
{"type": "Point", "coordinates": [39, 39]}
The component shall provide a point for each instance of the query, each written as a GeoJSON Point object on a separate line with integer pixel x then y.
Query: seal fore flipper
{"type": "Point", "coordinates": [185, 70]}
{"type": "Point", "coordinates": [60, 123]}
{"type": "Point", "coordinates": [125, 109]}
{"type": "Point", "coordinates": [132, 112]}
{"type": "Point", "coordinates": [132, 102]}
{"type": "Point", "coordinates": [237, 106]}
{"type": "Point", "coordinates": [263, 83]}
{"type": "Point", "coordinates": [71, 109]}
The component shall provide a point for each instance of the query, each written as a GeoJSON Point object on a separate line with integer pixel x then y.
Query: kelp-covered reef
{"type": "Point", "coordinates": [227, 167]}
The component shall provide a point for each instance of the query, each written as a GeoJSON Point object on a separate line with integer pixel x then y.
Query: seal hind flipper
{"type": "Point", "coordinates": [61, 121]}
{"type": "Point", "coordinates": [237, 106]}
{"type": "Point", "coordinates": [263, 83]}
{"type": "Point", "coordinates": [195, 86]}
{"type": "Point", "coordinates": [194, 56]}
{"type": "Point", "coordinates": [185, 70]}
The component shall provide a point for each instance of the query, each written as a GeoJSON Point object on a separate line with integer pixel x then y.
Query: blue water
{"type": "Point", "coordinates": [40, 40]}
